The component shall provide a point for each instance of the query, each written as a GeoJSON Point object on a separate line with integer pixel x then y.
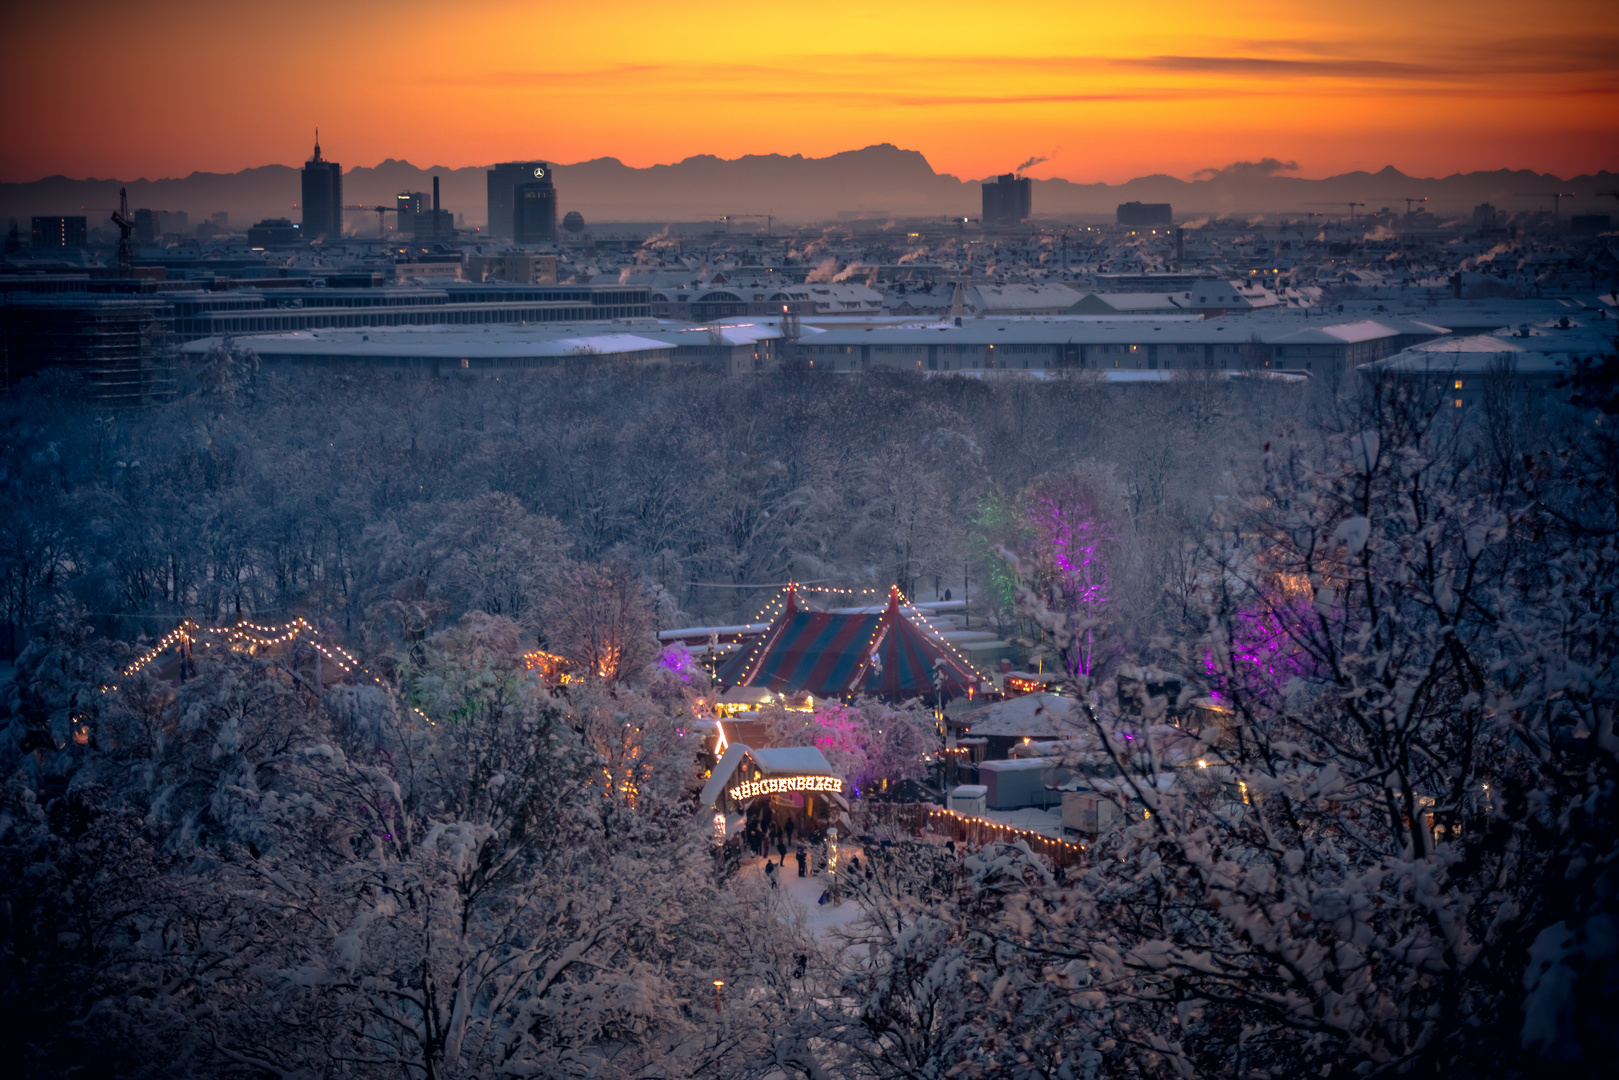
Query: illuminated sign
{"type": "Point", "coordinates": [539, 173]}
{"type": "Point", "coordinates": [772, 784]}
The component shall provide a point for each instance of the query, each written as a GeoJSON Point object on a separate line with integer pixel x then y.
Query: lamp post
{"type": "Point", "coordinates": [832, 862]}
{"type": "Point", "coordinates": [717, 984]}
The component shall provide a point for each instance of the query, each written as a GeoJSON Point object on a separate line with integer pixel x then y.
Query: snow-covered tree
{"type": "Point", "coordinates": [1387, 850]}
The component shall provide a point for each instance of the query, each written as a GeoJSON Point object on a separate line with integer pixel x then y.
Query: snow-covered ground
{"type": "Point", "coordinates": [805, 891]}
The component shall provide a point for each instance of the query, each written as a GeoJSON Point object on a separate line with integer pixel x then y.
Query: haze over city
{"type": "Point", "coordinates": [855, 542]}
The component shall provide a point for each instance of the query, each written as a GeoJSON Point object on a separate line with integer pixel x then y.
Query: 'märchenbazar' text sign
{"type": "Point", "coordinates": [772, 784]}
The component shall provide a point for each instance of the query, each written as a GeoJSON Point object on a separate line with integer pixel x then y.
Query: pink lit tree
{"type": "Point", "coordinates": [1069, 536]}
{"type": "Point", "coordinates": [1268, 648]}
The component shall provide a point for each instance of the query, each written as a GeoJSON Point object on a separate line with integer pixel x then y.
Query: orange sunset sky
{"type": "Point", "coordinates": [1105, 91]}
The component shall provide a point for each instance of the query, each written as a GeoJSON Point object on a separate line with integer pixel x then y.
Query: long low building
{"type": "Point", "coordinates": [1460, 371]}
{"type": "Point", "coordinates": [740, 346]}
{"type": "Point", "coordinates": [701, 303]}
{"type": "Point", "coordinates": [277, 311]}
{"type": "Point", "coordinates": [440, 350]}
{"type": "Point", "coordinates": [1164, 344]}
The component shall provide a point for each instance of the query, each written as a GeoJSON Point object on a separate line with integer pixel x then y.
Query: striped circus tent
{"type": "Point", "coordinates": [882, 654]}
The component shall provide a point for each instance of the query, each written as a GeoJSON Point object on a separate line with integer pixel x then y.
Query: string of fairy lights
{"type": "Point", "coordinates": [1001, 826]}
{"type": "Point", "coordinates": [254, 636]}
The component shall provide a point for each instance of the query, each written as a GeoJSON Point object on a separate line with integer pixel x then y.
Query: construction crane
{"type": "Point", "coordinates": [382, 231]}
{"type": "Point", "coordinates": [1409, 199]}
{"type": "Point", "coordinates": [769, 221]}
{"type": "Point", "coordinates": [1351, 206]}
{"type": "Point", "coordinates": [1556, 197]}
{"type": "Point", "coordinates": [126, 229]}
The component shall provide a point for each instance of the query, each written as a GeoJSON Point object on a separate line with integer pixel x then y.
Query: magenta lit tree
{"type": "Point", "coordinates": [870, 741]}
{"type": "Point", "coordinates": [1070, 538]}
{"type": "Point", "coordinates": [1266, 648]}
{"type": "Point", "coordinates": [842, 734]}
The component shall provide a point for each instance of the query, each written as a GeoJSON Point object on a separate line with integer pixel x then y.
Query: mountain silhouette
{"type": "Point", "coordinates": [880, 180]}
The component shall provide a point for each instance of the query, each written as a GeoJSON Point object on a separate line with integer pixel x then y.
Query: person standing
{"type": "Point", "coordinates": [802, 858]}
{"type": "Point", "coordinates": [781, 849]}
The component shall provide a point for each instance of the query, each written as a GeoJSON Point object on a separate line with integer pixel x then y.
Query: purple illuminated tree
{"type": "Point", "coordinates": [1268, 647]}
{"type": "Point", "coordinates": [1068, 560]}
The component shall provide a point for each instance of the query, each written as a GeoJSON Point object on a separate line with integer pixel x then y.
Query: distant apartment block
{"type": "Point", "coordinates": [1140, 215]}
{"type": "Point", "coordinates": [1008, 200]}
{"type": "Point", "coordinates": [274, 233]}
{"type": "Point", "coordinates": [512, 267]}
{"type": "Point", "coordinates": [59, 232]}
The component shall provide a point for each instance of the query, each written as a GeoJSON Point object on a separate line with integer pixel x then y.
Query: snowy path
{"type": "Point", "coordinates": [804, 891]}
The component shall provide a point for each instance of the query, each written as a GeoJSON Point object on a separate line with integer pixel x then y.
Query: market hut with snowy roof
{"type": "Point", "coordinates": [883, 653]}
{"type": "Point", "coordinates": [774, 786]}
{"type": "Point", "coordinates": [1027, 718]}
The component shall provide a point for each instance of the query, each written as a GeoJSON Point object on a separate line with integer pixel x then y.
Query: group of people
{"type": "Point", "coordinates": [764, 834]}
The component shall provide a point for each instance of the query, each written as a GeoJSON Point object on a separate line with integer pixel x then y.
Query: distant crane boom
{"type": "Point", "coordinates": [382, 231]}
{"type": "Point", "coordinates": [1344, 202]}
{"type": "Point", "coordinates": [770, 221]}
{"type": "Point", "coordinates": [1556, 197]}
{"type": "Point", "coordinates": [126, 229]}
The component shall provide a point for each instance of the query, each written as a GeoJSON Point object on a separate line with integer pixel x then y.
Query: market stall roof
{"type": "Point", "coordinates": [779, 761]}
{"type": "Point", "coordinates": [1031, 716]}
{"type": "Point", "coordinates": [792, 760]}
{"type": "Point", "coordinates": [829, 654]}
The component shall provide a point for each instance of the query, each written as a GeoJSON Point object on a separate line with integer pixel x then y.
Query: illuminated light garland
{"type": "Point", "coordinates": [1008, 828]}
{"type": "Point", "coordinates": [190, 632]}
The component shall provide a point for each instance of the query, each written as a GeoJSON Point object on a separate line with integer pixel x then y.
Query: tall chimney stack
{"type": "Point", "coordinates": [435, 194]}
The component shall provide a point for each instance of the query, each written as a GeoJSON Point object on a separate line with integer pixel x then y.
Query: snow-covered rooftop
{"type": "Point", "coordinates": [1030, 716]}
{"type": "Point", "coordinates": [792, 761]}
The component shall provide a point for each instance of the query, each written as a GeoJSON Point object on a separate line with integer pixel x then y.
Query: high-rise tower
{"type": "Point", "coordinates": [504, 180]}
{"type": "Point", "coordinates": [323, 198]}
{"type": "Point", "coordinates": [1008, 200]}
{"type": "Point", "coordinates": [534, 210]}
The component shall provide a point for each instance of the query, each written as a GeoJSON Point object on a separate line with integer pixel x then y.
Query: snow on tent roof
{"type": "Point", "coordinates": [1032, 716]}
{"type": "Point", "coordinates": [792, 761]}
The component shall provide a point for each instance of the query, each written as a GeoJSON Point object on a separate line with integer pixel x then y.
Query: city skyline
{"type": "Point", "coordinates": [1432, 91]}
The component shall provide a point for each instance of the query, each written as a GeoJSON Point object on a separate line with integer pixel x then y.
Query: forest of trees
{"type": "Point", "coordinates": [341, 496]}
{"type": "Point", "coordinates": [1394, 855]}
